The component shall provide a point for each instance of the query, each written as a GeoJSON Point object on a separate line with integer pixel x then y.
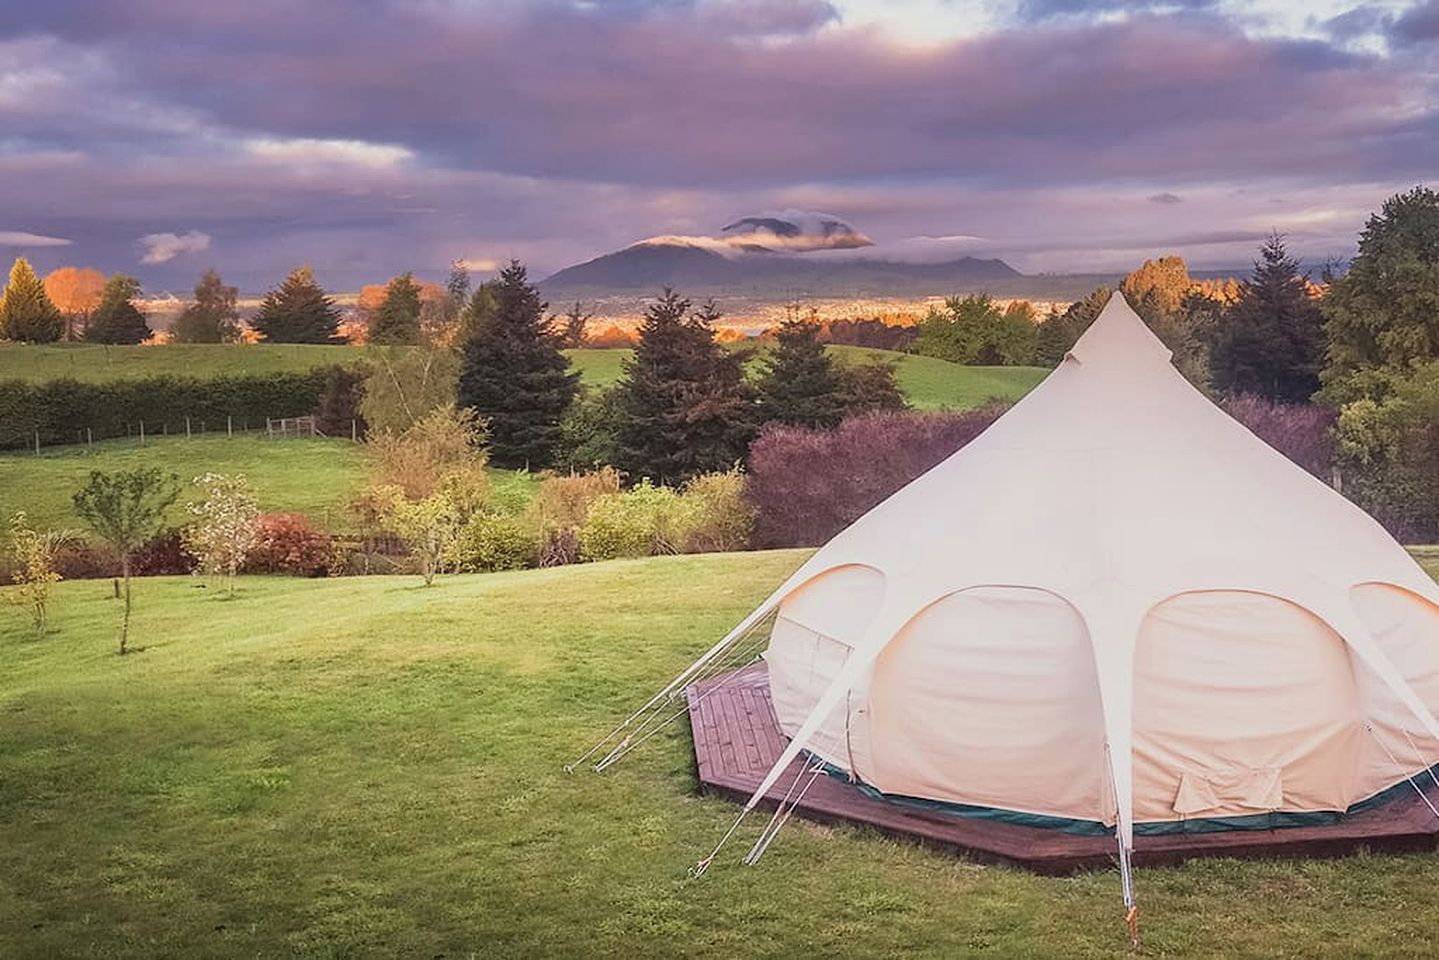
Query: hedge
{"type": "Point", "coordinates": [63, 410]}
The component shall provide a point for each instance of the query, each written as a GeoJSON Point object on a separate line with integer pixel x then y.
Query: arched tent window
{"type": "Point", "coordinates": [989, 697]}
{"type": "Point", "coordinates": [813, 633]}
{"type": "Point", "coordinates": [1244, 703]}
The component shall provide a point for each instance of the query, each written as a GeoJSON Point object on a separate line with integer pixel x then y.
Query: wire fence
{"type": "Point", "coordinates": [142, 431]}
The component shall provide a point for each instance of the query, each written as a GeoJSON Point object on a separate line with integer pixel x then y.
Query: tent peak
{"type": "Point", "coordinates": [1118, 333]}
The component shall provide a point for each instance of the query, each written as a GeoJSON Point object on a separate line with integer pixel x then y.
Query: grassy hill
{"type": "Point", "coordinates": [315, 477]}
{"type": "Point", "coordinates": [929, 383]}
{"type": "Point", "coordinates": [363, 767]}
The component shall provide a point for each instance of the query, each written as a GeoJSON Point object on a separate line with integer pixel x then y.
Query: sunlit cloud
{"type": "Point", "coordinates": [306, 150]}
{"type": "Point", "coordinates": [164, 247]}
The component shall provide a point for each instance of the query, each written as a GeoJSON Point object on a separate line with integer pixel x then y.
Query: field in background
{"type": "Point", "coordinates": [364, 767]}
{"type": "Point", "coordinates": [929, 383]}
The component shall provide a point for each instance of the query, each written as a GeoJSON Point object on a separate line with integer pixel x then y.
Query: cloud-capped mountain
{"type": "Point", "coordinates": [790, 254]}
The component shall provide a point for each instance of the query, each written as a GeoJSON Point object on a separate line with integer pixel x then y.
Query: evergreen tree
{"type": "Point", "coordinates": [397, 321]}
{"type": "Point", "coordinates": [26, 311]}
{"type": "Point", "coordinates": [513, 375]}
{"type": "Point", "coordinates": [1382, 317]}
{"type": "Point", "coordinates": [800, 383]}
{"type": "Point", "coordinates": [298, 311]}
{"type": "Point", "coordinates": [117, 319]}
{"type": "Point", "coordinates": [1270, 341]}
{"type": "Point", "coordinates": [212, 317]}
{"type": "Point", "coordinates": [457, 286]}
{"type": "Point", "coordinates": [685, 408]}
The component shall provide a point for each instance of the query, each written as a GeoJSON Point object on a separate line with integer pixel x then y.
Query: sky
{"type": "Point", "coordinates": [162, 137]}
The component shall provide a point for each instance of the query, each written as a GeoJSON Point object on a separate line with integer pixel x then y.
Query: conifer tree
{"type": "Point", "coordinates": [800, 383]}
{"type": "Point", "coordinates": [26, 311]}
{"type": "Point", "coordinates": [397, 320]}
{"type": "Point", "coordinates": [117, 319]}
{"type": "Point", "coordinates": [574, 329]}
{"type": "Point", "coordinates": [212, 317]}
{"type": "Point", "coordinates": [513, 375]}
{"type": "Point", "coordinates": [298, 311]}
{"type": "Point", "coordinates": [685, 408]}
{"type": "Point", "coordinates": [1270, 341]}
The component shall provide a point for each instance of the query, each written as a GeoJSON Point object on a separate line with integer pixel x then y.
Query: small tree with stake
{"type": "Point", "coordinates": [126, 508]}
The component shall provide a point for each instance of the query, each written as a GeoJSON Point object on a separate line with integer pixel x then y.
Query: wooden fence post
{"type": "Point", "coordinates": [142, 433]}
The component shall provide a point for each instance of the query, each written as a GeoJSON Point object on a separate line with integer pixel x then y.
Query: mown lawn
{"type": "Point", "coordinates": [315, 477]}
{"type": "Point", "coordinates": [363, 767]}
{"type": "Point", "coordinates": [96, 363]}
{"type": "Point", "coordinates": [929, 384]}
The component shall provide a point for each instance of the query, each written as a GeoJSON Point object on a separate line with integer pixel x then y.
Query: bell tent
{"type": "Point", "coordinates": [1116, 609]}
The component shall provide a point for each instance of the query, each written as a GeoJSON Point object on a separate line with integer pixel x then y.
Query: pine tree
{"type": "Point", "coordinates": [26, 311]}
{"type": "Point", "coordinates": [513, 375]}
{"type": "Point", "coordinates": [1270, 341]}
{"type": "Point", "coordinates": [685, 408]}
{"type": "Point", "coordinates": [117, 319]}
{"type": "Point", "coordinates": [397, 321]}
{"type": "Point", "coordinates": [212, 317]}
{"type": "Point", "coordinates": [298, 311]}
{"type": "Point", "coordinates": [1058, 332]}
{"type": "Point", "coordinates": [800, 383]}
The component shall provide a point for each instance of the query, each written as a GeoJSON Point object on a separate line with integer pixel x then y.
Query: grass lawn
{"type": "Point", "coordinates": [363, 767]}
{"type": "Point", "coordinates": [315, 477]}
{"type": "Point", "coordinates": [930, 384]}
{"type": "Point", "coordinates": [97, 363]}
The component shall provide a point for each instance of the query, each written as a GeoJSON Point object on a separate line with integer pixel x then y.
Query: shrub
{"type": "Point", "coordinates": [636, 523]}
{"type": "Point", "coordinates": [496, 541]}
{"type": "Point", "coordinates": [807, 485]}
{"type": "Point", "coordinates": [164, 555]}
{"type": "Point", "coordinates": [34, 568]}
{"type": "Point", "coordinates": [564, 500]}
{"type": "Point", "coordinates": [441, 443]}
{"type": "Point", "coordinates": [338, 413]}
{"type": "Point", "coordinates": [289, 543]}
{"type": "Point", "coordinates": [1303, 432]}
{"type": "Point", "coordinates": [716, 516]}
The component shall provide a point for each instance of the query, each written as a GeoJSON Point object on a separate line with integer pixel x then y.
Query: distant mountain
{"type": "Point", "coordinates": [696, 271]}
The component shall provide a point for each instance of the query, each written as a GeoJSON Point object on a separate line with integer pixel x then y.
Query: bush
{"type": "Point", "coordinates": [163, 556]}
{"type": "Point", "coordinates": [496, 541]}
{"type": "Point", "coordinates": [61, 411]}
{"type": "Point", "coordinates": [807, 485]}
{"type": "Point", "coordinates": [639, 522]}
{"type": "Point", "coordinates": [716, 516]}
{"type": "Point", "coordinates": [338, 413]}
{"type": "Point", "coordinates": [564, 500]}
{"type": "Point", "coordinates": [1303, 432]}
{"type": "Point", "coordinates": [289, 543]}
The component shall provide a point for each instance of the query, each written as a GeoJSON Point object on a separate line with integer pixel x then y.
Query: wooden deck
{"type": "Point", "coordinates": [737, 739]}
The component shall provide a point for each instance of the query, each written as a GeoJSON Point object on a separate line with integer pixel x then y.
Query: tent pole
{"type": "Point", "coordinates": [1126, 880]}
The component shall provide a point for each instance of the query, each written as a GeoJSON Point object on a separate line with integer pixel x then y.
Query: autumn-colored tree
{"type": "Point", "coordinates": [298, 311]}
{"type": "Point", "coordinates": [1164, 281]}
{"type": "Point", "coordinates": [76, 292]}
{"type": "Point", "coordinates": [404, 386]}
{"type": "Point", "coordinates": [397, 319]}
{"type": "Point", "coordinates": [211, 317]}
{"type": "Point", "coordinates": [26, 312]}
{"type": "Point", "coordinates": [116, 319]}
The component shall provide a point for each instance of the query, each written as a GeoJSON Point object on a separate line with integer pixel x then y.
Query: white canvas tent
{"type": "Point", "coordinates": [1116, 606]}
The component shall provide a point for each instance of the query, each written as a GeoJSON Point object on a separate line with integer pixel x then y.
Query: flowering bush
{"type": "Point", "coordinates": [224, 527]}
{"type": "Point", "coordinates": [1303, 432]}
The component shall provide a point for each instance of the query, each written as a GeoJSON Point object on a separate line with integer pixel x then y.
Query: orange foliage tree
{"type": "Point", "coordinates": [76, 291]}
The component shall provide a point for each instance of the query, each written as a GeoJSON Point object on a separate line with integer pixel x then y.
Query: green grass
{"type": "Point", "coordinates": [363, 767]}
{"type": "Point", "coordinates": [315, 477]}
{"type": "Point", "coordinates": [311, 476]}
{"type": "Point", "coordinates": [95, 363]}
{"type": "Point", "coordinates": [930, 384]}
